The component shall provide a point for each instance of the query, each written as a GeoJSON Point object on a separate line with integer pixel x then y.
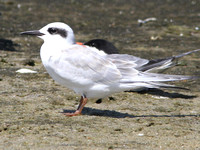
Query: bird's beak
{"type": "Point", "coordinates": [34, 32]}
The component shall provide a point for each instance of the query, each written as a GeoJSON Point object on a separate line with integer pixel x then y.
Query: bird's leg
{"type": "Point", "coordinates": [82, 103]}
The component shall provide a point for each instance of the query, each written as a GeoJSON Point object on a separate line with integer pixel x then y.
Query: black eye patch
{"type": "Point", "coordinates": [59, 31]}
{"type": "Point", "coordinates": [53, 30]}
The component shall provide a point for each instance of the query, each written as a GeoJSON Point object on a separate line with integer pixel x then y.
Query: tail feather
{"type": "Point", "coordinates": [152, 80]}
{"type": "Point", "coordinates": [167, 86]}
{"type": "Point", "coordinates": [153, 77]}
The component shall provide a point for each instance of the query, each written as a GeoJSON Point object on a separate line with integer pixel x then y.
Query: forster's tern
{"type": "Point", "coordinates": [90, 72]}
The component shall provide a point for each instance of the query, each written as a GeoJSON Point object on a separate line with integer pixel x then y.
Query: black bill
{"type": "Point", "coordinates": [34, 32]}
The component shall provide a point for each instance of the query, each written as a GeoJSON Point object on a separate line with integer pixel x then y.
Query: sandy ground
{"type": "Point", "coordinates": [32, 105]}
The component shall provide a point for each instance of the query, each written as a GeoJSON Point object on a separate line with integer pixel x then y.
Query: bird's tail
{"type": "Point", "coordinates": [154, 77]}
{"type": "Point", "coordinates": [153, 80]}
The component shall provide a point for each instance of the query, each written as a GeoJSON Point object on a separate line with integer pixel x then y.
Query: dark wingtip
{"type": "Point", "coordinates": [22, 33]}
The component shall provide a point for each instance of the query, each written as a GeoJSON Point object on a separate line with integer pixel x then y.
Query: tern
{"type": "Point", "coordinates": [103, 45]}
{"type": "Point", "coordinates": [93, 73]}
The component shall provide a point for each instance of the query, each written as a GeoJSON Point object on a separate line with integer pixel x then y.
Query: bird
{"type": "Point", "coordinates": [90, 72]}
{"type": "Point", "coordinates": [103, 45]}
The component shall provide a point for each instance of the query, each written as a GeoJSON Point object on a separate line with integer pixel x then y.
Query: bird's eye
{"type": "Point", "coordinates": [57, 31]}
{"type": "Point", "coordinates": [53, 30]}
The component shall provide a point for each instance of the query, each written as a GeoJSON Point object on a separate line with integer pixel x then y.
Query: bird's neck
{"type": "Point", "coordinates": [52, 48]}
{"type": "Point", "coordinates": [59, 43]}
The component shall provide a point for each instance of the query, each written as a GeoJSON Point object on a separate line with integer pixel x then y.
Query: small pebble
{"type": "Point", "coordinates": [140, 134]}
{"type": "Point", "coordinates": [25, 71]}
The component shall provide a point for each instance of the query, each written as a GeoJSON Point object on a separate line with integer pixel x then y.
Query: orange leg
{"type": "Point", "coordinates": [82, 103]}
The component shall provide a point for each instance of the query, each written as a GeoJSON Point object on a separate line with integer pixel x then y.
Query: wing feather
{"type": "Point", "coordinates": [133, 60]}
{"type": "Point", "coordinates": [88, 66]}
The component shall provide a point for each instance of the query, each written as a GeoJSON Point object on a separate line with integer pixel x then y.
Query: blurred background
{"type": "Point", "coordinates": [175, 24]}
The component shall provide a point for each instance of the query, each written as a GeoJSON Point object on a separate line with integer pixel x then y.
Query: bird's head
{"type": "Point", "coordinates": [54, 32]}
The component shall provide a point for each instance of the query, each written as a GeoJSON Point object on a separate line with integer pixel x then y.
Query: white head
{"type": "Point", "coordinates": [57, 31]}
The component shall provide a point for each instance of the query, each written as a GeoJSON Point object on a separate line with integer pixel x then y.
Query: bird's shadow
{"type": "Point", "coordinates": [114, 114]}
{"type": "Point", "coordinates": [7, 45]}
{"type": "Point", "coordinates": [158, 92]}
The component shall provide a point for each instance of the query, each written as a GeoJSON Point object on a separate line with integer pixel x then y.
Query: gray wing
{"type": "Point", "coordinates": [84, 64]}
{"type": "Point", "coordinates": [144, 65]}
{"type": "Point", "coordinates": [130, 73]}
{"type": "Point", "coordinates": [136, 62]}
